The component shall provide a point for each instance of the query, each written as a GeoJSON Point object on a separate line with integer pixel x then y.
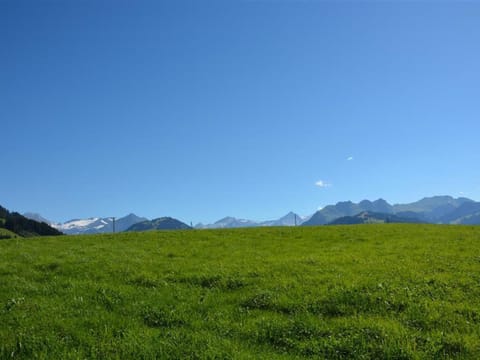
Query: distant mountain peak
{"type": "Point", "coordinates": [442, 209]}
{"type": "Point", "coordinates": [289, 219]}
{"type": "Point", "coordinates": [97, 225]}
{"type": "Point", "coordinates": [161, 223]}
{"type": "Point", "coordinates": [226, 218]}
{"type": "Point", "coordinates": [36, 217]}
{"type": "Point", "coordinates": [23, 226]}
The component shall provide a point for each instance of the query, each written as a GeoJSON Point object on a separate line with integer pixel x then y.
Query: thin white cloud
{"type": "Point", "coordinates": [350, 158]}
{"type": "Point", "coordinates": [322, 184]}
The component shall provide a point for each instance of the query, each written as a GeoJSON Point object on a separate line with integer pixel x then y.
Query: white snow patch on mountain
{"type": "Point", "coordinates": [75, 224]}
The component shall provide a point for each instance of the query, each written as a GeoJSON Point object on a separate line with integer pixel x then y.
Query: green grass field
{"type": "Point", "coordinates": [6, 234]}
{"type": "Point", "coordinates": [333, 292]}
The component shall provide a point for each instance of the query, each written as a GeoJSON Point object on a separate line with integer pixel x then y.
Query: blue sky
{"type": "Point", "coordinates": [202, 109]}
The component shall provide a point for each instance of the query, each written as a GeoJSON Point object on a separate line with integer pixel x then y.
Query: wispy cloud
{"type": "Point", "coordinates": [350, 158]}
{"type": "Point", "coordinates": [322, 184]}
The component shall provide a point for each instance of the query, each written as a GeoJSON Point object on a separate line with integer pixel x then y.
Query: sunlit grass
{"type": "Point", "coordinates": [6, 234]}
{"type": "Point", "coordinates": [368, 291]}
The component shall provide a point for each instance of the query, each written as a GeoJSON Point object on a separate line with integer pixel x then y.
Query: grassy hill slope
{"type": "Point", "coordinates": [369, 217]}
{"type": "Point", "coordinates": [24, 227]}
{"type": "Point", "coordinates": [389, 291]}
{"type": "Point", "coordinates": [6, 234]}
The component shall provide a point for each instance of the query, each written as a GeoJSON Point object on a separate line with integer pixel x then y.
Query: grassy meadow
{"type": "Point", "coordinates": [7, 234]}
{"type": "Point", "coordinates": [386, 291]}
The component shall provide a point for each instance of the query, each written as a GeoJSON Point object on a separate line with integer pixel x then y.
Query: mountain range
{"type": "Point", "coordinates": [290, 219]}
{"type": "Point", "coordinates": [96, 225]}
{"type": "Point", "coordinates": [436, 209]}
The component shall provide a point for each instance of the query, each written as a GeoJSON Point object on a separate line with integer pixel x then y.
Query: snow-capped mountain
{"type": "Point", "coordinates": [231, 222]}
{"type": "Point", "coordinates": [82, 226]}
{"type": "Point", "coordinates": [96, 225]}
{"type": "Point", "coordinates": [228, 222]}
{"type": "Point", "coordinates": [291, 219]}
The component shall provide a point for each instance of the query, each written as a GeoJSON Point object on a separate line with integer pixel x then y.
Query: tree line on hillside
{"type": "Point", "coordinates": [22, 226]}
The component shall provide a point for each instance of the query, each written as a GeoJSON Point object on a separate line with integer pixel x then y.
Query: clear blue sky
{"type": "Point", "coordinates": [202, 109]}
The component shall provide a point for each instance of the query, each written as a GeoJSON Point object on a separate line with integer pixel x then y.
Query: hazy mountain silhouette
{"type": "Point", "coordinates": [436, 209]}
{"type": "Point", "coordinates": [289, 219]}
